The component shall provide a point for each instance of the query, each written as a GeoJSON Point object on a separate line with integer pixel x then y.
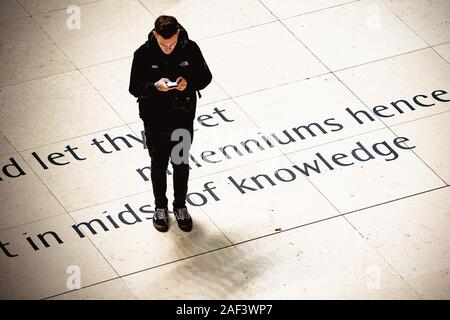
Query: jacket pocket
{"type": "Point", "coordinates": [183, 103]}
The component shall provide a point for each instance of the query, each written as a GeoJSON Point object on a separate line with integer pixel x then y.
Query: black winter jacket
{"type": "Point", "coordinates": [174, 108]}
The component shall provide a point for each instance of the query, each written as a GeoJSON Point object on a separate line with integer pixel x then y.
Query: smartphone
{"type": "Point", "coordinates": [172, 84]}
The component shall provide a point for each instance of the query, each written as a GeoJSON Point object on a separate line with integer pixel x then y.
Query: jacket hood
{"type": "Point", "coordinates": [183, 38]}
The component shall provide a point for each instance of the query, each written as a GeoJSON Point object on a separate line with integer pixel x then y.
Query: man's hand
{"type": "Point", "coordinates": [182, 84]}
{"type": "Point", "coordinates": [161, 85]}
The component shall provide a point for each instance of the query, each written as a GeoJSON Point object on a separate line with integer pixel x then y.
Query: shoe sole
{"type": "Point", "coordinates": [185, 229]}
{"type": "Point", "coordinates": [161, 228]}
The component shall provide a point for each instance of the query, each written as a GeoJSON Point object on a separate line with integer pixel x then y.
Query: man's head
{"type": "Point", "coordinates": [166, 33]}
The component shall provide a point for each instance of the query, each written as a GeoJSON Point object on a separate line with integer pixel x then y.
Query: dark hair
{"type": "Point", "coordinates": [166, 26]}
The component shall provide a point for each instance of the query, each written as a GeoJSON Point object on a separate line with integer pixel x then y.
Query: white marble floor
{"type": "Point", "coordinates": [320, 162]}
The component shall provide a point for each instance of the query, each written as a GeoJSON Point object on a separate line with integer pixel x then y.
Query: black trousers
{"type": "Point", "coordinates": [160, 146]}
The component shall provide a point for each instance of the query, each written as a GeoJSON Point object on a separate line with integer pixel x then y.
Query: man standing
{"type": "Point", "coordinates": [167, 72]}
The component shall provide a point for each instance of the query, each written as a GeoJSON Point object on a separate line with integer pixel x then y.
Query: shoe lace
{"type": "Point", "coordinates": [160, 214]}
{"type": "Point", "coordinates": [183, 214]}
